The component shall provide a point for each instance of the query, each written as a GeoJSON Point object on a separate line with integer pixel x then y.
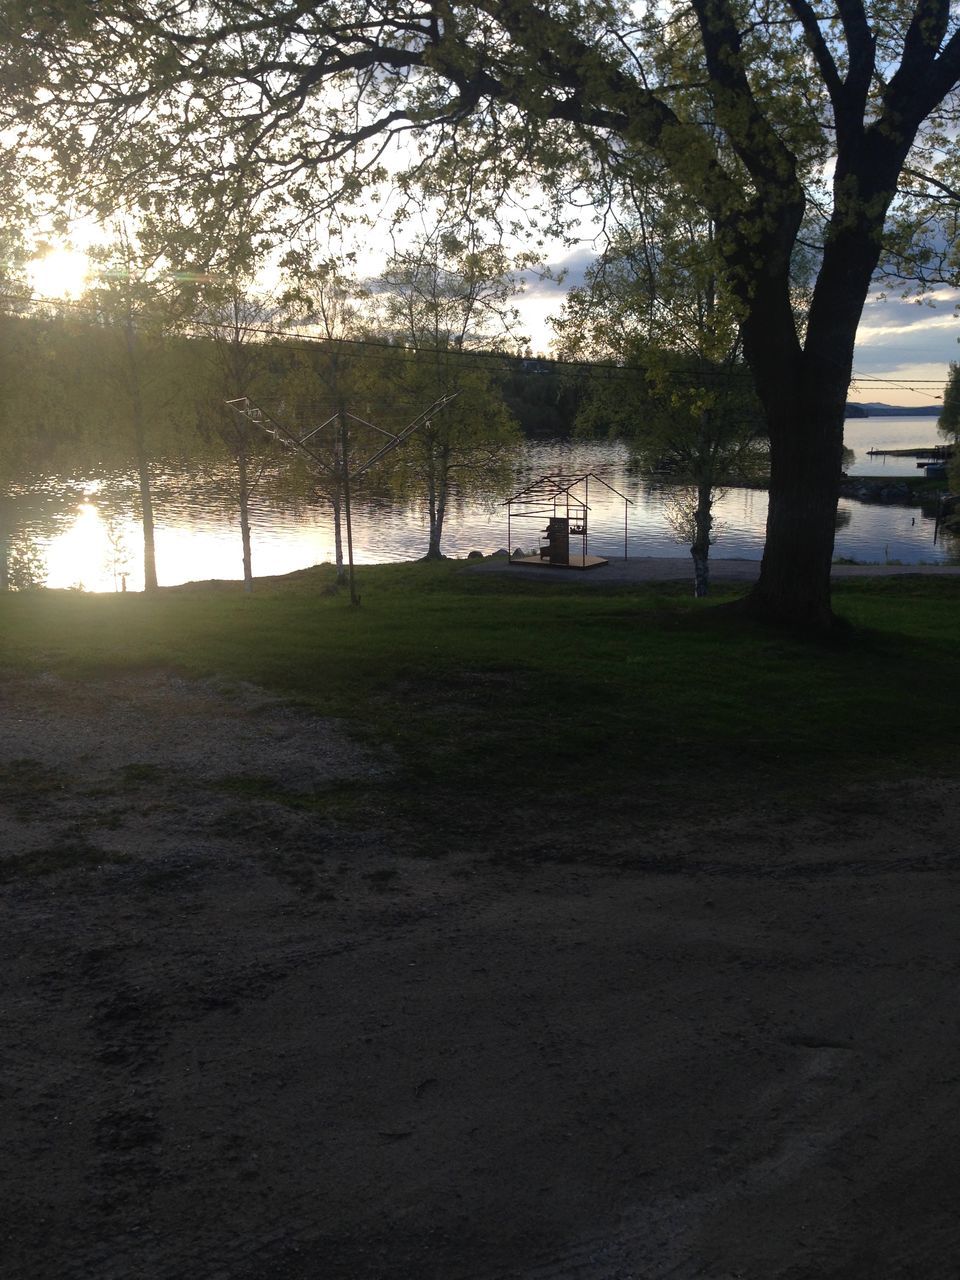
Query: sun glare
{"type": "Point", "coordinates": [60, 273]}
{"type": "Point", "coordinates": [86, 556]}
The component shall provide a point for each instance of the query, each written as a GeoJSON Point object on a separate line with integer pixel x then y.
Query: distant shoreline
{"type": "Point", "coordinates": [856, 410]}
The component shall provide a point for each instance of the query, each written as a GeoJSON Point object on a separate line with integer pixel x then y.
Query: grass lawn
{"type": "Point", "coordinates": [491, 691]}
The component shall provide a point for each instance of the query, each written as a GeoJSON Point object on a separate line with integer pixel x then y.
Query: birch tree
{"type": "Point", "coordinates": [654, 304]}
{"type": "Point", "coordinates": [443, 297]}
{"type": "Point", "coordinates": [136, 303]}
{"type": "Point", "coordinates": [231, 322]}
{"type": "Point", "coordinates": [323, 384]}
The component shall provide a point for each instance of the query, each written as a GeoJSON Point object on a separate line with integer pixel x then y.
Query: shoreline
{"type": "Point", "coordinates": [680, 568]}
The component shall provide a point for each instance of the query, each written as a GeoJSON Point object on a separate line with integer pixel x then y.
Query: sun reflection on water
{"type": "Point", "coordinates": [99, 552]}
{"type": "Point", "coordinates": [91, 554]}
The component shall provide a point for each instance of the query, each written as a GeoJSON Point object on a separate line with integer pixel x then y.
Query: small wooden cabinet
{"type": "Point", "coordinates": [555, 543]}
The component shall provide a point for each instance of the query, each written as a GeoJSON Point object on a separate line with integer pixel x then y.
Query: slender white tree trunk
{"type": "Point", "coordinates": [244, 484]}
{"type": "Point", "coordinates": [700, 550]}
{"type": "Point", "coordinates": [338, 536]}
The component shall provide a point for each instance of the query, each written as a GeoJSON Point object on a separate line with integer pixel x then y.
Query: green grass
{"type": "Point", "coordinates": [485, 690]}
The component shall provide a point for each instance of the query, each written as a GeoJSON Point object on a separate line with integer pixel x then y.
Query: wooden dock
{"type": "Point", "coordinates": [932, 453]}
{"type": "Point", "coordinates": [575, 562]}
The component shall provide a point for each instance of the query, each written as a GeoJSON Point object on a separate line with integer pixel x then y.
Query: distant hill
{"type": "Point", "coordinates": [876, 410]}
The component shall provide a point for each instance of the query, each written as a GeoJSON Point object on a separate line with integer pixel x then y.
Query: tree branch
{"type": "Point", "coordinates": [821, 52]}
{"type": "Point", "coordinates": [766, 158]}
{"type": "Point", "coordinates": [952, 193]}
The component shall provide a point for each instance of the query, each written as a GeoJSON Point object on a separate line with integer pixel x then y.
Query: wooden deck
{"type": "Point", "coordinates": [576, 562]}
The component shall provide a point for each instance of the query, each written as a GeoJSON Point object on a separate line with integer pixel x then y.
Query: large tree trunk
{"type": "Point", "coordinates": [804, 395]}
{"type": "Point", "coordinates": [803, 388]}
{"type": "Point", "coordinates": [806, 441]}
{"type": "Point", "coordinates": [794, 584]}
{"type": "Point", "coordinates": [804, 392]}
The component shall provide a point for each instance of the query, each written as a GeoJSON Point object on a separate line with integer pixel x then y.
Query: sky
{"type": "Point", "coordinates": [904, 347]}
{"type": "Point", "coordinates": [908, 343]}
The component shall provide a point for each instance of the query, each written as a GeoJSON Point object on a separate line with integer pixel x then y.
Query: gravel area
{"type": "Point", "coordinates": [244, 1037]}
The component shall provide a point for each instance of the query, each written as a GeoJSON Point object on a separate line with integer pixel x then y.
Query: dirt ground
{"type": "Point", "coordinates": [245, 1040]}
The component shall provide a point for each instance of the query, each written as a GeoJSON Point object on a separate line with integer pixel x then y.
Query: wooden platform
{"type": "Point", "coordinates": [576, 562]}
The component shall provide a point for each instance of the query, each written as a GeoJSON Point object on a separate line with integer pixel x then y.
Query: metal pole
{"type": "Point", "coordinates": [345, 476]}
{"type": "Point", "coordinates": [624, 530]}
{"type": "Point", "coordinates": [586, 508]}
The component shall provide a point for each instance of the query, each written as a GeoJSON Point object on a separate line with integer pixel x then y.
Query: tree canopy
{"type": "Point", "coordinates": [793, 125]}
{"type": "Point", "coordinates": [949, 420]}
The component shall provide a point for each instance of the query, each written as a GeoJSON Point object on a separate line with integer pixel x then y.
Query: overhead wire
{"type": "Point", "coordinates": [529, 364]}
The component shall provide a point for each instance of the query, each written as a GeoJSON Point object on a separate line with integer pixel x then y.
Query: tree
{"type": "Point", "coordinates": [746, 104]}
{"type": "Point", "coordinates": [654, 304]}
{"type": "Point", "coordinates": [231, 351]}
{"type": "Point", "coordinates": [46, 406]}
{"type": "Point", "coordinates": [323, 385]}
{"type": "Point", "coordinates": [135, 313]}
{"type": "Point", "coordinates": [949, 421]}
{"type": "Point", "coordinates": [13, 294]}
{"type": "Point", "coordinates": [694, 427]}
{"type": "Point", "coordinates": [442, 297]}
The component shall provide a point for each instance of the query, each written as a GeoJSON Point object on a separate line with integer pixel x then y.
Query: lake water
{"type": "Point", "coordinates": [88, 536]}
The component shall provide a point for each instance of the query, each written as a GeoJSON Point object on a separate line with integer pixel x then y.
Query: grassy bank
{"type": "Point", "coordinates": [490, 691]}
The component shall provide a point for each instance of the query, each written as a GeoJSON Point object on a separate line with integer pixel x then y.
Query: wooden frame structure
{"type": "Point", "coordinates": [563, 500]}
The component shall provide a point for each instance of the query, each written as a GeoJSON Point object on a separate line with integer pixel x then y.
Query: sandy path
{"type": "Point", "coordinates": [266, 1044]}
{"type": "Point", "coordinates": [680, 569]}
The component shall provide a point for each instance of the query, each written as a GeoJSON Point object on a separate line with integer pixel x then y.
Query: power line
{"type": "Point", "coordinates": [896, 382]}
{"type": "Point", "coordinates": [362, 348]}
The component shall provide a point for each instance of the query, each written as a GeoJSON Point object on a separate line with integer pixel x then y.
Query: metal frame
{"type": "Point", "coordinates": [553, 494]}
{"type": "Point", "coordinates": [244, 407]}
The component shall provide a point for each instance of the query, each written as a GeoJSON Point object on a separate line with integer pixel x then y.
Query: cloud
{"type": "Point", "coordinates": [903, 344]}
{"type": "Point", "coordinates": [543, 298]}
{"type": "Point", "coordinates": [907, 345]}
{"type": "Point", "coordinates": [885, 317]}
{"type": "Point", "coordinates": [569, 272]}
{"type": "Point", "coordinates": [905, 384]}
{"type": "Point", "coordinates": [904, 350]}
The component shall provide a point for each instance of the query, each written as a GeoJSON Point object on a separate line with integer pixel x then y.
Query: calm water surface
{"type": "Point", "coordinates": [88, 535]}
